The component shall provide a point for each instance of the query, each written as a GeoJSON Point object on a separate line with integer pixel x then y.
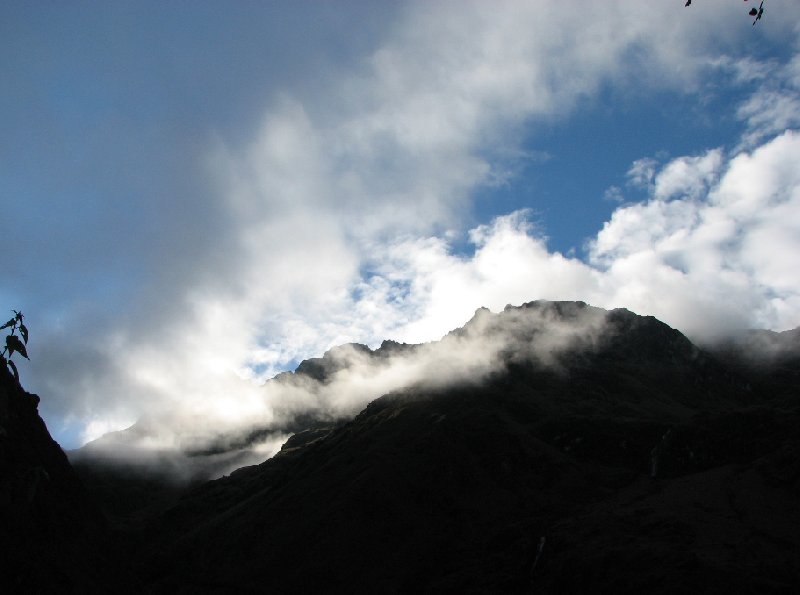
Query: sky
{"type": "Point", "coordinates": [198, 195]}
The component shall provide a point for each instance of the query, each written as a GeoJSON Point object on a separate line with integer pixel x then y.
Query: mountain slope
{"type": "Point", "coordinates": [601, 451]}
{"type": "Point", "coordinates": [52, 536]}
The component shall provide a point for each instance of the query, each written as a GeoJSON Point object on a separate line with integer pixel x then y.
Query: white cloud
{"type": "Point", "coordinates": [614, 194]}
{"type": "Point", "coordinates": [509, 266]}
{"type": "Point", "coordinates": [337, 212]}
{"type": "Point", "coordinates": [713, 256]}
{"type": "Point", "coordinates": [642, 172]}
{"type": "Point", "coordinates": [774, 106]}
{"type": "Point", "coordinates": [687, 176]}
{"type": "Point", "coordinates": [715, 259]}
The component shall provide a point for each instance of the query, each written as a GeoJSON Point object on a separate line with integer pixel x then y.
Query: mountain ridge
{"type": "Point", "coordinates": [571, 470]}
{"type": "Point", "coordinates": [340, 358]}
{"type": "Point", "coordinates": [553, 447]}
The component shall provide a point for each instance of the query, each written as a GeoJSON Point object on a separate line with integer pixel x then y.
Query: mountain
{"type": "Point", "coordinates": [53, 537]}
{"type": "Point", "coordinates": [770, 360]}
{"type": "Point", "coordinates": [602, 452]}
{"type": "Point", "coordinates": [550, 448]}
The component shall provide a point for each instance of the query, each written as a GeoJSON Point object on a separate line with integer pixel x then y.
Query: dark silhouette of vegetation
{"type": "Point", "coordinates": [753, 12]}
{"type": "Point", "coordinates": [13, 342]}
{"type": "Point", "coordinates": [757, 13]}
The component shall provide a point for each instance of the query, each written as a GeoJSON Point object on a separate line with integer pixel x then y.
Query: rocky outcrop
{"type": "Point", "coordinates": [51, 534]}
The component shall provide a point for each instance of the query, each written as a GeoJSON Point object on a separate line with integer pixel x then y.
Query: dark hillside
{"type": "Point", "coordinates": [556, 448]}
{"type": "Point", "coordinates": [638, 463]}
{"type": "Point", "coordinates": [52, 536]}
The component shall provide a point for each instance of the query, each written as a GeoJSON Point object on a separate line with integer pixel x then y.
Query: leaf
{"type": "Point", "coordinates": [14, 344]}
{"type": "Point", "coordinates": [11, 322]}
{"type": "Point", "coordinates": [23, 330]}
{"type": "Point", "coordinates": [14, 371]}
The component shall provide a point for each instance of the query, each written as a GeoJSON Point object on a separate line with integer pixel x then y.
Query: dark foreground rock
{"type": "Point", "coordinates": [53, 538]}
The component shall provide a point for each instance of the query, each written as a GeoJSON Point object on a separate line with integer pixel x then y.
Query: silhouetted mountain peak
{"type": "Point", "coordinates": [333, 360]}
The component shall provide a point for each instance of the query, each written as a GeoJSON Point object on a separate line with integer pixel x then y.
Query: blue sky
{"type": "Point", "coordinates": [197, 195]}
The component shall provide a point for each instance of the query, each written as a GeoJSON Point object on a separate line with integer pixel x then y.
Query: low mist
{"type": "Point", "coordinates": [188, 442]}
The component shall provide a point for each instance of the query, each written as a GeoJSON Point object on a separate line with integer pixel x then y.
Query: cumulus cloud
{"type": "Point", "coordinates": [687, 177]}
{"type": "Point", "coordinates": [710, 255]}
{"type": "Point", "coordinates": [700, 256]}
